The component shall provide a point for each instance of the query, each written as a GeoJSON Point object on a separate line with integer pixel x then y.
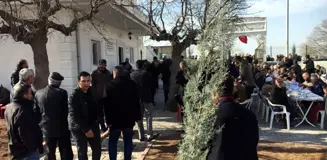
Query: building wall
{"type": "Point", "coordinates": [64, 55]}
{"type": "Point", "coordinates": [116, 37]}
{"type": "Point", "coordinates": [61, 54]}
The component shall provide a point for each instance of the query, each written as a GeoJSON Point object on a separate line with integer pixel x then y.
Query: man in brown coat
{"type": "Point", "coordinates": [100, 78]}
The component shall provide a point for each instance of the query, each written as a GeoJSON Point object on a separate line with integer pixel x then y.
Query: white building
{"type": "Point", "coordinates": [82, 50]}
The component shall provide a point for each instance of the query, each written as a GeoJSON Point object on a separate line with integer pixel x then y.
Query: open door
{"type": "Point", "coordinates": [121, 54]}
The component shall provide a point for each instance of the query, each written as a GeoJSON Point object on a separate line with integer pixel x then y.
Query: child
{"type": "Point", "coordinates": [324, 87]}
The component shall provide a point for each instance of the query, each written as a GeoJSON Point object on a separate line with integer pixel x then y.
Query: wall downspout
{"type": "Point", "coordinates": [77, 49]}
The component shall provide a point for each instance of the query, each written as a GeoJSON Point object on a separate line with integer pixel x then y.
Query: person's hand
{"type": "Point", "coordinates": [89, 134]}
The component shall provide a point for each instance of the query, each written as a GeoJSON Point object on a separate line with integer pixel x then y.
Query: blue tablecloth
{"type": "Point", "coordinates": [295, 92]}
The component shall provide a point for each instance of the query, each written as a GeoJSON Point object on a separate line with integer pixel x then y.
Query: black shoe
{"type": "Point", "coordinates": [155, 136]}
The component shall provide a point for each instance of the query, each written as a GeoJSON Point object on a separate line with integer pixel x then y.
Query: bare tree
{"type": "Point", "coordinates": [316, 44]}
{"type": "Point", "coordinates": [30, 21]}
{"type": "Point", "coordinates": [182, 22]}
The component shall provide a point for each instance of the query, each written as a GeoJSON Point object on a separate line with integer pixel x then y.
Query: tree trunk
{"type": "Point", "coordinates": [41, 62]}
{"type": "Point", "coordinates": [173, 89]}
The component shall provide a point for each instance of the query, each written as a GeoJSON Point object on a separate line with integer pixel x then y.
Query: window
{"type": "Point", "coordinates": [96, 51]}
{"type": "Point", "coordinates": [131, 55]}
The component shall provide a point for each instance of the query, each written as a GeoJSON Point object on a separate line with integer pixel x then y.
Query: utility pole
{"type": "Point", "coordinates": [270, 51]}
{"type": "Point", "coordinates": [287, 25]}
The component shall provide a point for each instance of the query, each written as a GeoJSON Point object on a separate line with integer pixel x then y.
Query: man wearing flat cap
{"type": "Point", "coordinates": [100, 78]}
{"type": "Point", "coordinates": [52, 103]}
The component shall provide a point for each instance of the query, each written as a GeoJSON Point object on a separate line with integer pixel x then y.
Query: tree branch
{"type": "Point", "coordinates": [95, 5]}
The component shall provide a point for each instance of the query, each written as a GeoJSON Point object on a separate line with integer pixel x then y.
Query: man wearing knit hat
{"type": "Point", "coordinates": [52, 103]}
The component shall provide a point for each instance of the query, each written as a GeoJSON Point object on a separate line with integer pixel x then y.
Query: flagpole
{"type": "Point", "coordinates": [287, 26]}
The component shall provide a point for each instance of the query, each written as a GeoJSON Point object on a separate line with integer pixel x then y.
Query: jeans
{"type": "Point", "coordinates": [33, 156]}
{"type": "Point", "coordinates": [147, 111]}
{"type": "Point", "coordinates": [128, 142]}
{"type": "Point", "coordinates": [81, 143]}
{"type": "Point", "coordinates": [65, 148]}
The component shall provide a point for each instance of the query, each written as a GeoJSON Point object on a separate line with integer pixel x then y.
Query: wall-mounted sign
{"type": "Point", "coordinates": [111, 46]}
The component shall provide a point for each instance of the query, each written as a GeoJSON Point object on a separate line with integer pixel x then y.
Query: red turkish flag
{"type": "Point", "coordinates": [243, 39]}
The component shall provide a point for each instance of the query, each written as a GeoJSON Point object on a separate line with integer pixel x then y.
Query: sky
{"type": "Point", "coordinates": [304, 16]}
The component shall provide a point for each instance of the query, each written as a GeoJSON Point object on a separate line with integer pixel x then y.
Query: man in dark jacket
{"type": "Point", "coordinates": [165, 77]}
{"type": "Point", "coordinates": [279, 96]}
{"type": "Point", "coordinates": [325, 100]}
{"type": "Point", "coordinates": [143, 80]}
{"type": "Point", "coordinates": [15, 75]}
{"type": "Point", "coordinates": [153, 69]}
{"type": "Point", "coordinates": [100, 79]}
{"type": "Point", "coordinates": [122, 110]}
{"type": "Point", "coordinates": [83, 118]}
{"type": "Point", "coordinates": [239, 133]}
{"type": "Point", "coordinates": [25, 136]}
{"type": "Point", "coordinates": [52, 102]}
{"type": "Point", "coordinates": [309, 64]}
{"type": "Point", "coordinates": [4, 96]}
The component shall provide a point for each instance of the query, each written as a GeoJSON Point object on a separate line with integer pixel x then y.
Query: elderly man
{"type": "Point", "coordinates": [307, 80]}
{"type": "Point", "coordinates": [24, 134]}
{"type": "Point", "coordinates": [320, 70]}
{"type": "Point", "coordinates": [317, 85]}
{"type": "Point", "coordinates": [26, 76]}
{"type": "Point", "coordinates": [52, 101]}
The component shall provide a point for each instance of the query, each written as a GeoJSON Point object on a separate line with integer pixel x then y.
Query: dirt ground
{"type": "Point", "coordinates": [165, 148]}
{"type": "Point", "coordinates": [268, 150]}
{"type": "Point", "coordinates": [3, 140]}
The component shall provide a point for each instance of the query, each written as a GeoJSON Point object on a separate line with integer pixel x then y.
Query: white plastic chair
{"type": "Point", "coordinates": [265, 107]}
{"type": "Point", "coordinates": [256, 93]}
{"type": "Point", "coordinates": [273, 113]}
{"type": "Point", "coordinates": [322, 113]}
{"type": "Point", "coordinates": [247, 103]}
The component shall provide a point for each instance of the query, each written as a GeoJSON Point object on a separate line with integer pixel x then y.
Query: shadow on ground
{"type": "Point", "coordinates": [268, 150]}
{"type": "Point", "coordinates": [165, 148]}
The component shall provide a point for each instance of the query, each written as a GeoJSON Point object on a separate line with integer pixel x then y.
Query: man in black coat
{"type": "Point", "coordinates": [279, 96]}
{"type": "Point", "coordinates": [144, 82]}
{"type": "Point", "coordinates": [24, 134]}
{"type": "Point", "coordinates": [153, 69]}
{"type": "Point", "coordinates": [239, 132]}
{"type": "Point", "coordinates": [83, 118]}
{"type": "Point", "coordinates": [309, 64]}
{"type": "Point", "coordinates": [122, 109]}
{"type": "Point", "coordinates": [52, 102]}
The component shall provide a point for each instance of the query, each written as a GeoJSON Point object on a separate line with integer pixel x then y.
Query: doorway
{"type": "Point", "coordinates": [121, 54]}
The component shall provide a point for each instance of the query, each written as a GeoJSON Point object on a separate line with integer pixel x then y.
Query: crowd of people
{"type": "Point", "coordinates": [103, 104]}
{"type": "Point", "coordinates": [110, 104]}
{"type": "Point", "coordinates": [270, 79]}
